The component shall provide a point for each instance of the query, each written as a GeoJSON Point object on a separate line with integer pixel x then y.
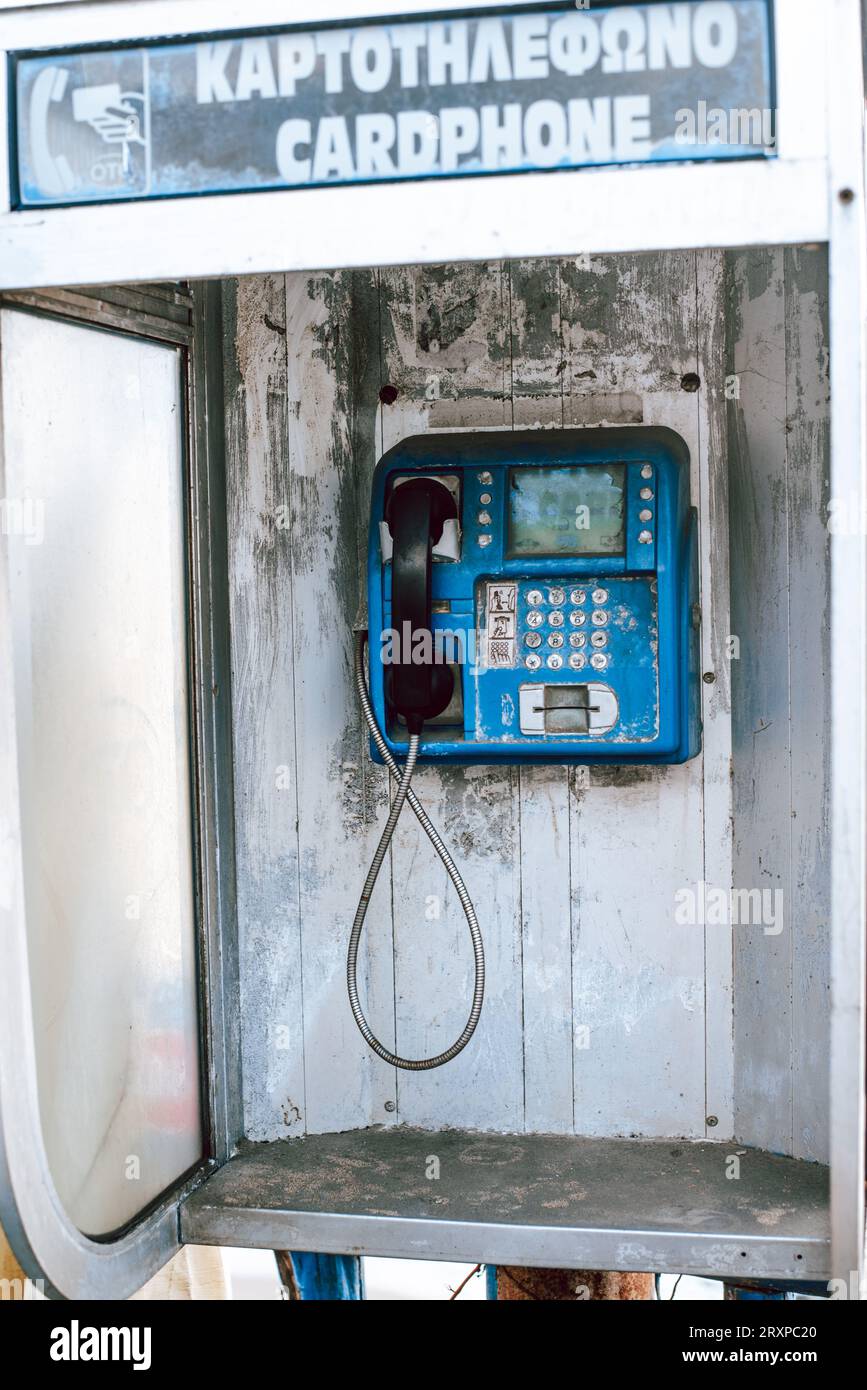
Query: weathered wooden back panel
{"type": "Point", "coordinates": [604, 1014]}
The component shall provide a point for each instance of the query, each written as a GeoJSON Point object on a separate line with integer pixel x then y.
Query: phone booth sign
{"type": "Point", "coordinates": [467, 405]}
{"type": "Point", "coordinates": [335, 105]}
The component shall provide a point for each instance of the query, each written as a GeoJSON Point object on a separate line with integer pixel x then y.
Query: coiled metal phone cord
{"type": "Point", "coordinates": [405, 793]}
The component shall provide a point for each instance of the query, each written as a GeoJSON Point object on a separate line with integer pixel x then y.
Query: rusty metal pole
{"type": "Point", "coordinates": [516, 1283]}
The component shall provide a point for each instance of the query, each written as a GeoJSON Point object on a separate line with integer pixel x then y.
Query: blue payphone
{"type": "Point", "coordinates": [532, 598]}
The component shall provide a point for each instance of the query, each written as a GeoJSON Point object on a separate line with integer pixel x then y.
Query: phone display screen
{"type": "Point", "coordinates": [567, 511]}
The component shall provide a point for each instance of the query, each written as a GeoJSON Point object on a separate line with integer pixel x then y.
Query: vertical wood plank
{"type": "Point", "coordinates": [537, 365]}
{"type": "Point", "coordinates": [263, 711]}
{"type": "Point", "coordinates": [537, 386]}
{"type": "Point", "coordinates": [761, 739]}
{"type": "Point", "coordinates": [808, 446]}
{"type": "Point", "coordinates": [333, 365]}
{"type": "Point", "coordinates": [713, 505]}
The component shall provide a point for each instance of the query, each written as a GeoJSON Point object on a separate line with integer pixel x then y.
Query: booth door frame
{"type": "Point", "coordinates": [47, 1243]}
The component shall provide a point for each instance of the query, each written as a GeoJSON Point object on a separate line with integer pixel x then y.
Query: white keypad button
{"type": "Point", "coordinates": [599, 661]}
{"type": "Point", "coordinates": [533, 662]}
{"type": "Point", "coordinates": [577, 619]}
{"type": "Point", "coordinates": [645, 514]}
{"type": "Point", "coordinates": [556, 618]}
{"type": "Point", "coordinates": [556, 597]}
{"type": "Point", "coordinates": [646, 494]}
{"type": "Point", "coordinates": [577, 639]}
{"type": "Point", "coordinates": [534, 597]}
{"type": "Point", "coordinates": [599, 596]}
{"type": "Point", "coordinates": [556, 639]}
{"type": "Point", "coordinates": [533, 639]}
{"type": "Point", "coordinates": [484, 518]}
{"type": "Point", "coordinates": [647, 470]}
{"type": "Point", "coordinates": [486, 478]}
{"type": "Point", "coordinates": [485, 540]}
{"type": "Point", "coordinates": [598, 618]}
{"type": "Point", "coordinates": [485, 499]}
{"type": "Point", "coordinates": [555, 662]}
{"type": "Point", "coordinates": [599, 639]}
{"type": "Point", "coordinates": [577, 661]}
{"type": "Point", "coordinates": [578, 596]}
{"type": "Point", "coordinates": [645, 538]}
{"type": "Point", "coordinates": [535, 619]}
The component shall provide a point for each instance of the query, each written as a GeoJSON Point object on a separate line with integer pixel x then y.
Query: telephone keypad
{"type": "Point", "coordinates": [560, 631]}
{"type": "Point", "coordinates": [613, 620]}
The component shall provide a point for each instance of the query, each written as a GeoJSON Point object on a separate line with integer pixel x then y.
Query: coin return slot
{"type": "Point", "coordinates": [567, 709]}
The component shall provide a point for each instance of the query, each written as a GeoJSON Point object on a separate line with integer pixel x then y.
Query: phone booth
{"type": "Point", "coordinates": [433, 692]}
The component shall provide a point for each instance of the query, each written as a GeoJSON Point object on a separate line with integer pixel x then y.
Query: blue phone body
{"type": "Point", "coordinates": [567, 647]}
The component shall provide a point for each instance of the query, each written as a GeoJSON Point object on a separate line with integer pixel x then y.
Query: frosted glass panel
{"type": "Point", "coordinates": [94, 509]}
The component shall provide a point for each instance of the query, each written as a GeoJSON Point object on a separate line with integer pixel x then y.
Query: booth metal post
{"type": "Point", "coordinates": [848, 314]}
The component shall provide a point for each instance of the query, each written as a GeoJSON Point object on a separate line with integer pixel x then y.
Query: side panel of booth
{"type": "Point", "coordinates": [779, 433]}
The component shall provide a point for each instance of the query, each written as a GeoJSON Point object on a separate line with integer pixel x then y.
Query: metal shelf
{"type": "Point", "coordinates": [522, 1199]}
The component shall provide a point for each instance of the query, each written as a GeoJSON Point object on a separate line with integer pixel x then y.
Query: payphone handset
{"type": "Point", "coordinates": [532, 598]}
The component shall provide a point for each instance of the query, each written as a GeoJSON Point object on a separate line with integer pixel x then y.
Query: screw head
{"type": "Point", "coordinates": [708, 677]}
{"type": "Point", "coordinates": [388, 394]}
{"type": "Point", "coordinates": [711, 1121]}
{"type": "Point", "coordinates": [690, 382]}
{"type": "Point", "coordinates": [390, 1106]}
{"type": "Point", "coordinates": [846, 195]}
